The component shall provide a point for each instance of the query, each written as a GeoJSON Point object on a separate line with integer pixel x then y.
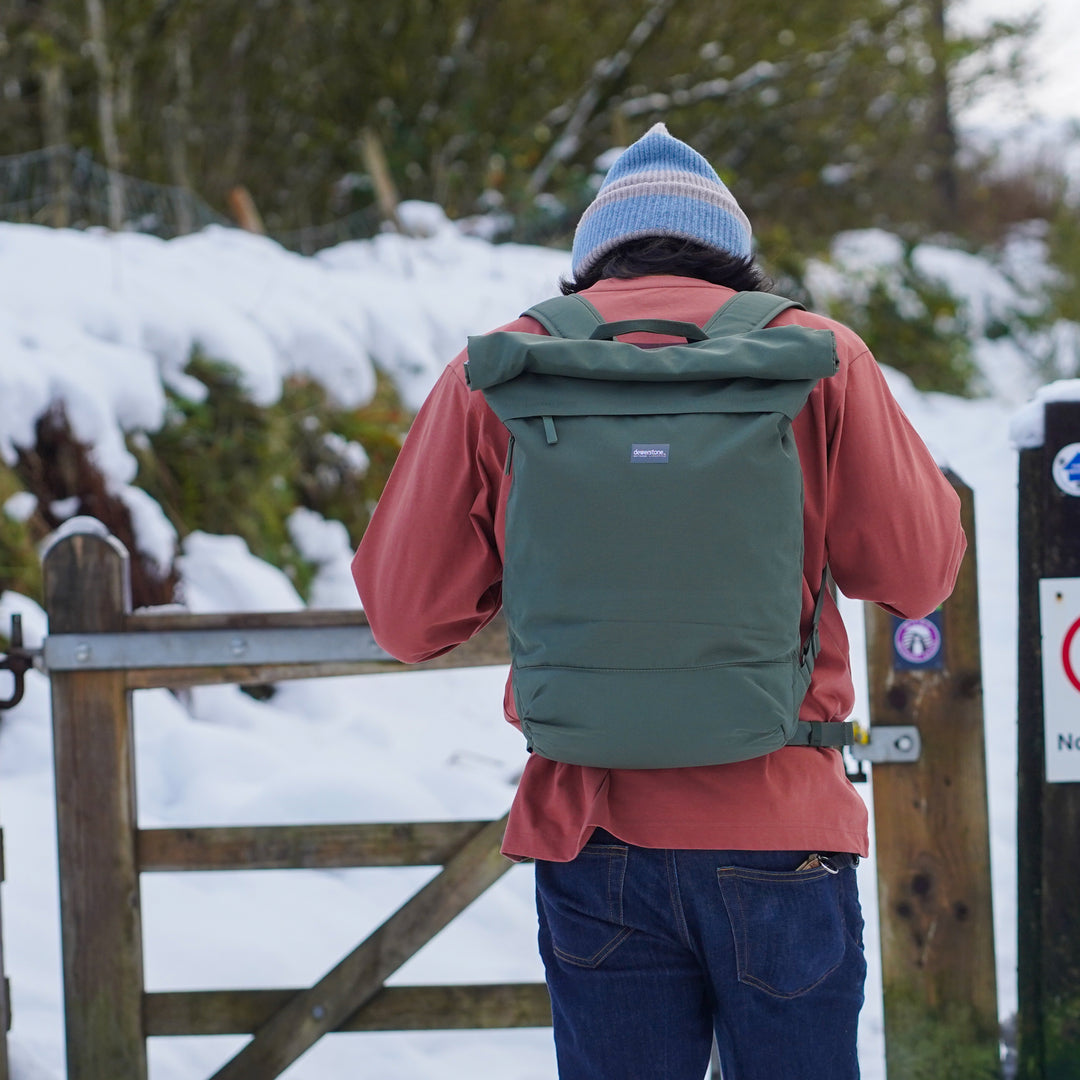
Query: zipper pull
{"type": "Point", "coordinates": [509, 456]}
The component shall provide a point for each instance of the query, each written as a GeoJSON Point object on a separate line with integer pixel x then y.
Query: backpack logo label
{"type": "Point", "coordinates": [649, 452]}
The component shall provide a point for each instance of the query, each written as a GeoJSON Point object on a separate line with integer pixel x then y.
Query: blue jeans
{"type": "Point", "coordinates": [651, 952]}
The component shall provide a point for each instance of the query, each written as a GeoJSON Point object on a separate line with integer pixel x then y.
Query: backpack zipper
{"type": "Point", "coordinates": [509, 456]}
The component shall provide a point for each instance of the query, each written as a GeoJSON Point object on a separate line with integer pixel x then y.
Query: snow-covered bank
{"type": "Point", "coordinates": [103, 321]}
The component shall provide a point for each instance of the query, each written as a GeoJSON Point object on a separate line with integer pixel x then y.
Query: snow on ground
{"type": "Point", "coordinates": [103, 322]}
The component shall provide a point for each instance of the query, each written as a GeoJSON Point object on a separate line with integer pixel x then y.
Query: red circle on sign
{"type": "Point", "coordinates": [1070, 674]}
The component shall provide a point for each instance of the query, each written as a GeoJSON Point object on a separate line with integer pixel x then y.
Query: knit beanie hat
{"type": "Point", "coordinates": [659, 186]}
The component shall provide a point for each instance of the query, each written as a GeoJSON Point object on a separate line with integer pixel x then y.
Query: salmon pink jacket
{"type": "Point", "coordinates": [878, 511]}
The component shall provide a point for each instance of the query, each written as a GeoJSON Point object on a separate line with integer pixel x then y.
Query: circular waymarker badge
{"type": "Point", "coordinates": [917, 641]}
{"type": "Point", "coordinates": [1072, 671]}
{"type": "Point", "coordinates": [1066, 469]}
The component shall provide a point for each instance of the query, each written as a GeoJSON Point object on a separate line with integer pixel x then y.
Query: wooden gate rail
{"type": "Point", "coordinates": [394, 1008]}
{"type": "Point", "coordinates": [308, 847]}
{"type": "Point", "coordinates": [97, 653]}
{"type": "Point", "coordinates": [342, 632]}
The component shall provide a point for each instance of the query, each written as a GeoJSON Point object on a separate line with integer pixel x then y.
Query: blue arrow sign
{"type": "Point", "coordinates": [1072, 468]}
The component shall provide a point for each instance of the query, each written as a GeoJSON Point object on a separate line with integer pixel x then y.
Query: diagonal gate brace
{"type": "Point", "coordinates": [357, 978]}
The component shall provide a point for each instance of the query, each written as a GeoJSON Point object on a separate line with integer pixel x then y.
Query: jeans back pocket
{"type": "Point", "coordinates": [583, 903]}
{"type": "Point", "coordinates": [788, 927]}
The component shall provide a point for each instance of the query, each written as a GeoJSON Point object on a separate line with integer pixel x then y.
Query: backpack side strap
{"type": "Point", "coordinates": [747, 311]}
{"type": "Point", "coordinates": [828, 733]}
{"type": "Point", "coordinates": [819, 732]}
{"type": "Point", "coordinates": [566, 316]}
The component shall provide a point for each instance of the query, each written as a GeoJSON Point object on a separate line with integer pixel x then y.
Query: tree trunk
{"type": "Point", "coordinates": [106, 108]}
{"type": "Point", "coordinates": [55, 101]}
{"type": "Point", "coordinates": [238, 111]}
{"type": "Point", "coordinates": [943, 141]}
{"type": "Point", "coordinates": [177, 127]}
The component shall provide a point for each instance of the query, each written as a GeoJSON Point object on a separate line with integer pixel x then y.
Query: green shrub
{"type": "Point", "coordinates": [227, 466]}
{"type": "Point", "coordinates": [20, 566]}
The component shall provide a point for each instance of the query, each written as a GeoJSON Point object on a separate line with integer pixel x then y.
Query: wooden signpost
{"type": "Point", "coordinates": [1049, 751]}
{"type": "Point", "coordinates": [932, 837]}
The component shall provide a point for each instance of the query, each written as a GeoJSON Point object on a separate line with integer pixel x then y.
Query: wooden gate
{"type": "Point", "coordinates": [97, 653]}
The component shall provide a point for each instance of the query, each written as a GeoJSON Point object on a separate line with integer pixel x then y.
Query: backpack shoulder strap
{"type": "Point", "coordinates": [747, 311]}
{"type": "Point", "coordinates": [566, 316]}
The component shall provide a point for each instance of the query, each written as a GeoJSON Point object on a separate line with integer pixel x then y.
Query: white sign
{"type": "Point", "coordinates": [1059, 601]}
{"type": "Point", "coordinates": [1066, 469]}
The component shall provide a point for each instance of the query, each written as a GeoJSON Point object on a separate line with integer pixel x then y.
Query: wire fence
{"type": "Point", "coordinates": [64, 187]}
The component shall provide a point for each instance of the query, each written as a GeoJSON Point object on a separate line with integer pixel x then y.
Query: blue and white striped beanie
{"type": "Point", "coordinates": [659, 186]}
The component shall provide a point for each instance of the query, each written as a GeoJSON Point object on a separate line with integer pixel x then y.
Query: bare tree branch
{"type": "Point", "coordinates": [605, 72]}
{"type": "Point", "coordinates": [708, 90]}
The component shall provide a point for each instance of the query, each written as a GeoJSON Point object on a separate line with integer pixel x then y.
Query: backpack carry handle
{"type": "Point", "coordinates": [690, 331]}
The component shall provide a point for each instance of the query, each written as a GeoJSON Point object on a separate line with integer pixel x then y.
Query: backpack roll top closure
{"type": "Point", "coordinates": [653, 575]}
{"type": "Point", "coordinates": [776, 354]}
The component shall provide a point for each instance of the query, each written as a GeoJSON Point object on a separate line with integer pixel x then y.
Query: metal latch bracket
{"type": "Point", "coordinates": [898, 744]}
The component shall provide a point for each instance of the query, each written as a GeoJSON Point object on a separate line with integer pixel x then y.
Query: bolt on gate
{"type": "Point", "coordinates": [930, 801]}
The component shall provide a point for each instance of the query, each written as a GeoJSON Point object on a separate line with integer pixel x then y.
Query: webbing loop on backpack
{"type": "Point", "coordinates": [690, 331]}
{"type": "Point", "coordinates": [827, 734]}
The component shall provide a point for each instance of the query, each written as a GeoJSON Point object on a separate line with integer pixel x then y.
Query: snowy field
{"type": "Point", "coordinates": [104, 322]}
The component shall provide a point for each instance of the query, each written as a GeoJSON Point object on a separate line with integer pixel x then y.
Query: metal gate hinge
{"type": "Point", "coordinates": [18, 660]}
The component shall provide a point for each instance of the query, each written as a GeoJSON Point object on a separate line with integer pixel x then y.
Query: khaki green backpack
{"type": "Point", "coordinates": [654, 536]}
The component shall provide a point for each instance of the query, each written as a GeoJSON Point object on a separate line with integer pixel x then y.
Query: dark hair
{"type": "Point", "coordinates": [673, 255]}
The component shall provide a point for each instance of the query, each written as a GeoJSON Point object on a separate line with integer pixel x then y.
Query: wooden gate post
{"type": "Point", "coordinates": [87, 590]}
{"type": "Point", "coordinates": [932, 838]}
{"type": "Point", "coordinates": [1049, 751]}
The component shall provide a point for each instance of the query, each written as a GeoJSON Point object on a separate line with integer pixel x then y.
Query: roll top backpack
{"type": "Point", "coordinates": [653, 571]}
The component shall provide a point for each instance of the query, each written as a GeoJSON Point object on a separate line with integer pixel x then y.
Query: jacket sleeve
{"type": "Point", "coordinates": [893, 534]}
{"type": "Point", "coordinates": [428, 569]}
